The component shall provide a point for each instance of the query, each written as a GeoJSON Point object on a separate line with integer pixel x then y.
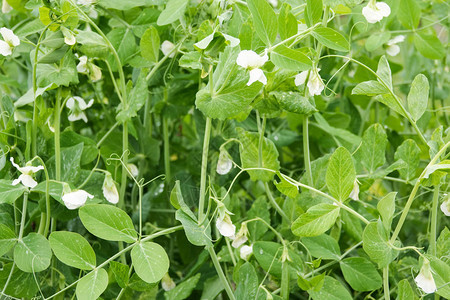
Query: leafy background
{"type": "Point", "coordinates": [381, 119]}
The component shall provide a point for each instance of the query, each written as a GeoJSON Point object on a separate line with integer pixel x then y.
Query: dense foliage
{"type": "Point", "coordinates": [181, 149]}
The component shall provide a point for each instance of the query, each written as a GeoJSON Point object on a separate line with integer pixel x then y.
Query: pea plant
{"type": "Point", "coordinates": [224, 149]}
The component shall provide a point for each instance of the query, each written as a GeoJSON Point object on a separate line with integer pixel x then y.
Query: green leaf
{"type": "Point", "coordinates": [376, 40]}
{"type": "Point", "coordinates": [70, 163]}
{"type": "Point", "coordinates": [341, 174]}
{"type": "Point", "coordinates": [191, 60]}
{"type": "Point", "coordinates": [405, 292]}
{"type": "Point", "coordinates": [371, 153]}
{"type": "Point", "coordinates": [391, 102]}
{"type": "Point", "coordinates": [443, 243]}
{"type": "Point", "coordinates": [287, 23]}
{"type": "Point", "coordinates": [9, 193]}
{"type": "Point", "coordinates": [150, 44]}
{"type": "Point", "coordinates": [290, 59]}
{"type": "Point", "coordinates": [361, 274]}
{"type": "Point", "coordinates": [92, 285]}
{"type": "Point", "coordinates": [247, 283]}
{"type": "Point", "coordinates": [268, 255]}
{"type": "Point", "coordinates": [72, 249]}
{"type": "Point", "coordinates": [429, 45]}
{"type": "Point", "coordinates": [136, 99]}
{"type": "Point", "coordinates": [409, 13]}
{"type": "Point", "coordinates": [369, 88]}
{"type": "Point", "coordinates": [198, 235]}
{"type": "Point", "coordinates": [63, 74]}
{"type": "Point", "coordinates": [286, 187]}
{"type": "Point", "coordinates": [384, 72]}
{"type": "Point", "coordinates": [375, 244]}
{"type": "Point", "coordinates": [386, 208]}
{"type": "Point", "coordinates": [340, 133]}
{"type": "Point", "coordinates": [124, 41]}
{"type": "Point", "coordinates": [409, 152]}
{"type": "Point", "coordinates": [323, 247]}
{"type": "Point", "coordinates": [264, 20]}
{"type": "Point", "coordinates": [250, 155]}
{"type": "Point", "coordinates": [174, 10]}
{"type": "Point", "coordinates": [316, 220]}
{"type": "Point", "coordinates": [108, 222]}
{"type": "Point", "coordinates": [418, 96]}
{"type": "Point", "coordinates": [92, 44]}
{"type": "Point", "coordinates": [313, 12]}
{"type": "Point", "coordinates": [331, 290]}
{"type": "Point", "coordinates": [230, 95]}
{"type": "Point", "coordinates": [294, 102]}
{"type": "Point", "coordinates": [7, 239]}
{"type": "Point", "coordinates": [121, 273]}
{"type": "Point", "coordinates": [184, 289]}
{"type": "Point", "coordinates": [177, 201]}
{"type": "Point", "coordinates": [332, 39]}
{"type": "Point", "coordinates": [150, 261]}
{"type": "Point", "coordinates": [16, 280]}
{"type": "Point", "coordinates": [125, 5]}
{"type": "Point", "coordinates": [32, 254]}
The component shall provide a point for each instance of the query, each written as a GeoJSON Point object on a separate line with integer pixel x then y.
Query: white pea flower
{"type": "Point", "coordinates": [6, 8]}
{"type": "Point", "coordinates": [10, 40]}
{"type": "Point", "coordinates": [88, 68]}
{"type": "Point", "coordinates": [250, 60]}
{"type": "Point", "coordinates": [246, 252]}
{"type": "Point", "coordinates": [167, 283]}
{"type": "Point", "coordinates": [445, 207]}
{"type": "Point", "coordinates": [77, 105]}
{"type": "Point", "coordinates": [75, 199]}
{"type": "Point", "coordinates": [315, 84]}
{"type": "Point", "coordinates": [167, 47]}
{"type": "Point", "coordinates": [26, 176]}
{"type": "Point", "coordinates": [110, 190]}
{"type": "Point", "coordinates": [69, 37]}
{"type": "Point", "coordinates": [355, 192]}
{"type": "Point", "coordinates": [274, 3]}
{"type": "Point", "coordinates": [133, 170]}
{"type": "Point", "coordinates": [392, 48]}
{"type": "Point", "coordinates": [224, 164]}
{"type": "Point", "coordinates": [241, 237]}
{"type": "Point", "coordinates": [225, 226]}
{"type": "Point", "coordinates": [425, 280]}
{"type": "Point", "coordinates": [375, 11]}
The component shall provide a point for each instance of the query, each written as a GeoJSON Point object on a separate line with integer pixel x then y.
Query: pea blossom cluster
{"type": "Point", "coordinates": [376, 11]}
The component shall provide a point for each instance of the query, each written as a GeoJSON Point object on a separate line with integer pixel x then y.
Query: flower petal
{"type": "Point", "coordinates": [9, 36]}
{"type": "Point", "coordinates": [383, 9]}
{"type": "Point", "coordinates": [75, 199]}
{"type": "Point", "coordinates": [167, 47]}
{"type": "Point", "coordinates": [300, 78]}
{"type": "Point", "coordinates": [257, 75]}
{"type": "Point", "coordinates": [27, 181]}
{"type": "Point", "coordinates": [225, 227]}
{"type": "Point", "coordinates": [393, 50]}
{"type": "Point", "coordinates": [444, 207]}
{"type": "Point", "coordinates": [5, 48]}
{"type": "Point", "coordinates": [246, 251]}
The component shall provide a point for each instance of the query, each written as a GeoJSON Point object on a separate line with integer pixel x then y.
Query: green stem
{"type": "Point", "coordinates": [166, 147]}
{"type": "Point", "coordinates": [123, 181]}
{"type": "Point", "coordinates": [24, 215]}
{"type": "Point", "coordinates": [107, 134]}
{"type": "Point", "coordinates": [201, 203]}
{"type": "Point", "coordinates": [434, 215]}
{"type": "Point", "coordinates": [57, 126]}
{"type": "Point", "coordinates": [219, 271]}
{"type": "Point", "coordinates": [275, 204]}
{"type": "Point", "coordinates": [306, 150]}
{"type": "Point", "coordinates": [386, 283]}
{"type": "Point", "coordinates": [285, 280]}
{"type": "Point", "coordinates": [413, 194]}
